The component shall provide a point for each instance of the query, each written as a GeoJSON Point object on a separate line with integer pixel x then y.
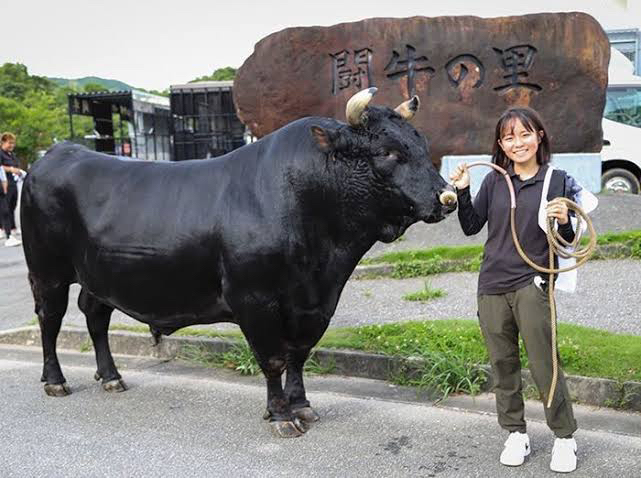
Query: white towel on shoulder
{"type": "Point", "coordinates": [566, 281]}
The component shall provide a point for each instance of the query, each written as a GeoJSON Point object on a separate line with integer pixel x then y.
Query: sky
{"type": "Point", "coordinates": [154, 44]}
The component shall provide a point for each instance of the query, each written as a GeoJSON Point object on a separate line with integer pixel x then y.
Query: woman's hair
{"type": "Point", "coordinates": [532, 122]}
{"type": "Point", "coordinates": [7, 137]}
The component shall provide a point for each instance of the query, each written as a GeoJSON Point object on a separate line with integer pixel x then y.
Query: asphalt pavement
{"type": "Point", "coordinates": [182, 421]}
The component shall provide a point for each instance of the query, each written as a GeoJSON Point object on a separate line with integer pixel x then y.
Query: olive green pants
{"type": "Point", "coordinates": [502, 318]}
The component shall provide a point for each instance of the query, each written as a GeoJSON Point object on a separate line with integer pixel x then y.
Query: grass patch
{"type": "Point", "coordinates": [584, 351]}
{"type": "Point", "coordinates": [617, 237]}
{"type": "Point", "coordinates": [630, 239]}
{"type": "Point", "coordinates": [426, 294]}
{"type": "Point", "coordinates": [186, 332]}
{"type": "Point", "coordinates": [598, 353]}
{"type": "Point", "coordinates": [86, 346]}
{"type": "Point", "coordinates": [241, 359]}
{"type": "Point", "coordinates": [424, 262]}
{"type": "Point", "coordinates": [437, 260]}
{"type": "Point", "coordinates": [453, 350]}
{"type": "Point", "coordinates": [406, 270]}
{"type": "Point", "coordinates": [442, 252]}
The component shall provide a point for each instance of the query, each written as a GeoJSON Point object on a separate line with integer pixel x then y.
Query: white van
{"type": "Point", "coordinates": [621, 153]}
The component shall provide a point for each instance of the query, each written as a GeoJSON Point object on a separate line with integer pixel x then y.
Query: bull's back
{"type": "Point", "coordinates": [141, 236]}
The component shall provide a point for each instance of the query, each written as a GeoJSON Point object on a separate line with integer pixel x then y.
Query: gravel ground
{"type": "Point", "coordinates": [606, 298]}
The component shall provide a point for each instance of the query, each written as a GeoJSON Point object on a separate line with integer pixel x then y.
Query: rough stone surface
{"type": "Point", "coordinates": [466, 71]}
{"type": "Point", "coordinates": [594, 391]}
{"type": "Point", "coordinates": [632, 396]}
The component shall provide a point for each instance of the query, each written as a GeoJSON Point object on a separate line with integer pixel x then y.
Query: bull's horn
{"type": "Point", "coordinates": [408, 109]}
{"type": "Point", "coordinates": [357, 104]}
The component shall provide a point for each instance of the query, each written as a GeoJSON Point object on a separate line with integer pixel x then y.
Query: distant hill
{"type": "Point", "coordinates": [79, 83]}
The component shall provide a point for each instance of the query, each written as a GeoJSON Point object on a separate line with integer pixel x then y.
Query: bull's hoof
{"type": "Point", "coordinates": [114, 386]}
{"type": "Point", "coordinates": [57, 389]}
{"type": "Point", "coordinates": [306, 414]}
{"type": "Point", "coordinates": [291, 429]}
{"type": "Point", "coordinates": [300, 424]}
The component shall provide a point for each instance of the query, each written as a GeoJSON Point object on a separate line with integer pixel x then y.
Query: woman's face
{"type": "Point", "coordinates": [8, 145]}
{"type": "Point", "coordinates": [519, 144]}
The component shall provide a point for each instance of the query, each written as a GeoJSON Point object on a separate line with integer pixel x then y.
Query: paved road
{"type": "Point", "coordinates": [181, 421]}
{"type": "Point", "coordinates": [607, 296]}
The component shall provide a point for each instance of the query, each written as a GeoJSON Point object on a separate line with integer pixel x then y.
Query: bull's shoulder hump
{"type": "Point", "coordinates": [300, 125]}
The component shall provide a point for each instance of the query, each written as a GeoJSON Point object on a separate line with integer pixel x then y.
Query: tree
{"type": "Point", "coordinates": [33, 108]}
{"type": "Point", "coordinates": [16, 83]}
{"type": "Point", "coordinates": [92, 87]}
{"type": "Point", "coordinates": [221, 74]}
{"type": "Point", "coordinates": [164, 92]}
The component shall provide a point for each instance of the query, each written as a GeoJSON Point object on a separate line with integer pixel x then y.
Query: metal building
{"type": "Point", "coordinates": [143, 123]}
{"type": "Point", "coordinates": [204, 121]}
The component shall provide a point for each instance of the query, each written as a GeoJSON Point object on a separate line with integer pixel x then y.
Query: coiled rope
{"type": "Point", "coordinates": [557, 246]}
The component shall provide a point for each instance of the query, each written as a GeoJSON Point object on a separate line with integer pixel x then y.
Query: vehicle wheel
{"type": "Point", "coordinates": [621, 181]}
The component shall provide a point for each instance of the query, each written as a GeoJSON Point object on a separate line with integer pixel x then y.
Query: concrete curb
{"type": "Point", "coordinates": [586, 390]}
{"type": "Point", "coordinates": [377, 271]}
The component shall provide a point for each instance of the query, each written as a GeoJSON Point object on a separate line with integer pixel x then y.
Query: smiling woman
{"type": "Point", "coordinates": [513, 299]}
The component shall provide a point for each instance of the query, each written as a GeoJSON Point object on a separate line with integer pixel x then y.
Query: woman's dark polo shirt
{"type": "Point", "coordinates": [503, 270]}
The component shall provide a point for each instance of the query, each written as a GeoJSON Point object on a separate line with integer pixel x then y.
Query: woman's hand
{"type": "Point", "coordinates": [559, 211]}
{"type": "Point", "coordinates": [461, 176]}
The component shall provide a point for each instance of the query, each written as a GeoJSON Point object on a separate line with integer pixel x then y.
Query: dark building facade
{"type": "Point", "coordinates": [126, 123]}
{"type": "Point", "coordinates": [204, 121]}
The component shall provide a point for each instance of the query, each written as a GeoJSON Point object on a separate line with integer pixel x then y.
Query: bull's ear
{"type": "Point", "coordinates": [325, 138]}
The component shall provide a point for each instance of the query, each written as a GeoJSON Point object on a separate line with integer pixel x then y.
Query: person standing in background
{"type": "Point", "coordinates": [4, 213]}
{"type": "Point", "coordinates": [9, 164]}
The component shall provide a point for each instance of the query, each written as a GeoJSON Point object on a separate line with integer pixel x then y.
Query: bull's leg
{"type": "Point", "coordinates": [294, 386]}
{"type": "Point", "coordinates": [51, 305]}
{"type": "Point", "coordinates": [270, 354]}
{"type": "Point", "coordinates": [279, 412]}
{"type": "Point", "coordinates": [98, 317]}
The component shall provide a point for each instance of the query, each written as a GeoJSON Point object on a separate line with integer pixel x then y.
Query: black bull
{"type": "Point", "coordinates": [265, 237]}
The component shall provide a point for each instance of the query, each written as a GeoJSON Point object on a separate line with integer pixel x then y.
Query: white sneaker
{"type": "Point", "coordinates": [517, 447]}
{"type": "Point", "coordinates": [563, 455]}
{"type": "Point", "coordinates": [2, 234]}
{"type": "Point", "coordinates": [12, 241]}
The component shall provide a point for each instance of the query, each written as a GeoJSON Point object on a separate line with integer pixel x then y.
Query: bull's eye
{"type": "Point", "coordinates": [392, 155]}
